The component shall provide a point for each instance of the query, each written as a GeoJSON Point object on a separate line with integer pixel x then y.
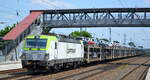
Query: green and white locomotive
{"type": "Point", "coordinates": [45, 51]}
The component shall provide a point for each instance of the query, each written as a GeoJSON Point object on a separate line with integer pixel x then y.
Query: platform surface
{"type": "Point", "coordinates": [10, 65]}
{"type": "Point", "coordinates": [148, 75]}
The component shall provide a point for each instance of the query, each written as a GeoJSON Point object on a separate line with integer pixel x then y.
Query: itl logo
{"type": "Point", "coordinates": [71, 50]}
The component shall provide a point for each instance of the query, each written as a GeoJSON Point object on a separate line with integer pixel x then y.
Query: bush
{"type": "Point", "coordinates": [80, 34]}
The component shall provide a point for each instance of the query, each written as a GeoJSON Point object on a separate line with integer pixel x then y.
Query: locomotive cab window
{"type": "Point", "coordinates": [36, 43]}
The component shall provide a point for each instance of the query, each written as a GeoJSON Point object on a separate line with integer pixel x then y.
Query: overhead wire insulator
{"type": "Point", "coordinates": [17, 13]}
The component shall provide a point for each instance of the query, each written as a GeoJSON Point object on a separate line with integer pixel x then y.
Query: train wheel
{"type": "Point", "coordinates": [74, 65]}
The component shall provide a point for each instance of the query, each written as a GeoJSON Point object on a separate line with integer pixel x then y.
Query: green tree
{"type": "Point", "coordinates": [131, 44]}
{"type": "Point", "coordinates": [140, 47]}
{"type": "Point", "coordinates": [46, 30]}
{"type": "Point", "coordinates": [105, 40]}
{"type": "Point", "coordinates": [6, 30]}
{"type": "Point", "coordinates": [80, 34]}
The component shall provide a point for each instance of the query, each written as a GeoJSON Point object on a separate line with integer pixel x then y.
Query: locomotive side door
{"type": "Point", "coordinates": [55, 50]}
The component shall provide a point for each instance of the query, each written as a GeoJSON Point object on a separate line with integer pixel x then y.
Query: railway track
{"type": "Point", "coordinates": [82, 73]}
{"type": "Point", "coordinates": [90, 73]}
{"type": "Point", "coordinates": [139, 72]}
{"type": "Point", "coordinates": [15, 75]}
{"type": "Point", "coordinates": [12, 71]}
{"type": "Point", "coordinates": [117, 73]}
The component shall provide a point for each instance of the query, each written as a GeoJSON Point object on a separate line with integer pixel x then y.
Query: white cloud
{"type": "Point", "coordinates": [52, 3]}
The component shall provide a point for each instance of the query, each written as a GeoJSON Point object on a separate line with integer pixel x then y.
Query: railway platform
{"type": "Point", "coordinates": [148, 75]}
{"type": "Point", "coordinates": [10, 65]}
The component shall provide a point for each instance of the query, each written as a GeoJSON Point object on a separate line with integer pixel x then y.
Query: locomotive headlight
{"type": "Point", "coordinates": [23, 56]}
{"type": "Point", "coordinates": [46, 56]}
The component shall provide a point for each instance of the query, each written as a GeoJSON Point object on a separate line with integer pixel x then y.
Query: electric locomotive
{"type": "Point", "coordinates": [46, 51]}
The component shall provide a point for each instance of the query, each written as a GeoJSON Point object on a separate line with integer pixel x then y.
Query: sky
{"type": "Point", "coordinates": [13, 11]}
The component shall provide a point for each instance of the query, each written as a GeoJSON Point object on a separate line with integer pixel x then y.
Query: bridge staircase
{"type": "Point", "coordinates": [32, 24]}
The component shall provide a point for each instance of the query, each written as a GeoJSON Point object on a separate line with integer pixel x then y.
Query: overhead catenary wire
{"type": "Point", "coordinates": [13, 10]}
{"type": "Point", "coordinates": [136, 5]}
{"type": "Point", "coordinates": [52, 4]}
{"type": "Point", "coordinates": [141, 40]}
{"type": "Point", "coordinates": [125, 2]}
{"type": "Point", "coordinates": [92, 3]}
{"type": "Point", "coordinates": [146, 35]}
{"type": "Point", "coordinates": [122, 4]}
{"type": "Point", "coordinates": [11, 13]}
{"type": "Point", "coordinates": [6, 12]}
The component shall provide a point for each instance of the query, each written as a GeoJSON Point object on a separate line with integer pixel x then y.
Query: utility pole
{"type": "Point", "coordinates": [124, 39]}
{"type": "Point", "coordinates": [110, 34]}
{"type": "Point", "coordinates": [130, 39]}
{"type": "Point", "coordinates": [81, 32]}
{"type": "Point", "coordinates": [17, 11]}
